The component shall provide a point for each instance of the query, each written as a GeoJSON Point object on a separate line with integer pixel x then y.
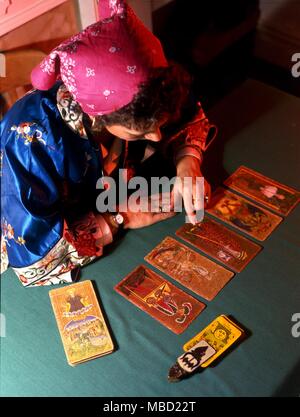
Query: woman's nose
{"type": "Point", "coordinates": [154, 136]}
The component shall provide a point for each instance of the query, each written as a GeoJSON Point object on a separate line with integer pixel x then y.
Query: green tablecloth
{"type": "Point", "coordinates": [259, 128]}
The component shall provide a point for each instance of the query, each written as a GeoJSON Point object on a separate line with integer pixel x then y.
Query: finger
{"type": "Point", "coordinates": [172, 201]}
{"type": "Point", "coordinates": [166, 201]}
{"type": "Point", "coordinates": [198, 196]}
{"type": "Point", "coordinates": [154, 202]}
{"type": "Point", "coordinates": [161, 202]}
{"type": "Point", "coordinates": [188, 201]}
{"type": "Point", "coordinates": [176, 198]}
{"type": "Point", "coordinates": [157, 217]}
{"type": "Point", "coordinates": [193, 218]}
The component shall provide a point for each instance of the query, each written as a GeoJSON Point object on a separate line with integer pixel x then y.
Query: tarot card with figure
{"type": "Point", "coordinates": [166, 303]}
{"type": "Point", "coordinates": [276, 196]}
{"type": "Point", "coordinates": [220, 334]}
{"type": "Point", "coordinates": [243, 214]}
{"type": "Point", "coordinates": [80, 321]}
{"type": "Point", "coordinates": [188, 267]}
{"type": "Point", "coordinates": [228, 247]}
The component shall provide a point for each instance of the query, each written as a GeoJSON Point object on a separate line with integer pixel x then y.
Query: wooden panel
{"type": "Point", "coordinates": [18, 68]}
{"type": "Point", "coordinates": [14, 13]}
{"type": "Point", "coordinates": [278, 35]}
{"type": "Point", "coordinates": [45, 31]}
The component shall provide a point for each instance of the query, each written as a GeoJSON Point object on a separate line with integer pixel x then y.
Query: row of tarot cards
{"type": "Point", "coordinates": [175, 308]}
{"type": "Point", "coordinates": [82, 327]}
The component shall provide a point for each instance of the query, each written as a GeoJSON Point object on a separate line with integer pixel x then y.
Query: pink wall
{"type": "Point", "coordinates": [43, 32]}
{"type": "Point", "coordinates": [13, 13]}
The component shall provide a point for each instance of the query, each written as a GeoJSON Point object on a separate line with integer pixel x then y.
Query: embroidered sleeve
{"type": "Point", "coordinates": [38, 242]}
{"type": "Point", "coordinates": [193, 138]}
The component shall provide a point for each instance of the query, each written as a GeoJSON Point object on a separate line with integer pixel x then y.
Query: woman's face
{"type": "Point", "coordinates": [125, 133]}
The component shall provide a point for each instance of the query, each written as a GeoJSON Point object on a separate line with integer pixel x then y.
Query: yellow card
{"type": "Point", "coordinates": [220, 334]}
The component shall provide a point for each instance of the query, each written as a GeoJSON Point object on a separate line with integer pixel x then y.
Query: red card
{"type": "Point", "coordinates": [276, 196]}
{"type": "Point", "coordinates": [194, 271]}
{"type": "Point", "coordinates": [172, 307]}
{"type": "Point", "coordinates": [243, 214]}
{"type": "Point", "coordinates": [228, 247]}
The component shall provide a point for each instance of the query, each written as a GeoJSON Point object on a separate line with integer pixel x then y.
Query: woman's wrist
{"type": "Point", "coordinates": [114, 227]}
{"type": "Point", "coordinates": [117, 221]}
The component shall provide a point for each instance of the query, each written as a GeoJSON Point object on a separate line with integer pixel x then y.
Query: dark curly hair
{"type": "Point", "coordinates": [162, 95]}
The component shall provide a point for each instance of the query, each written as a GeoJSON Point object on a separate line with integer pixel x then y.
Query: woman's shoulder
{"type": "Point", "coordinates": [32, 107]}
{"type": "Point", "coordinates": [36, 108]}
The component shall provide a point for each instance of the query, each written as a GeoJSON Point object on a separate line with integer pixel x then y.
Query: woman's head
{"type": "Point", "coordinates": [159, 100]}
{"type": "Point", "coordinates": [103, 65]}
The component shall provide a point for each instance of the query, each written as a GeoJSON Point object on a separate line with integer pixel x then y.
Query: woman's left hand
{"type": "Point", "coordinates": [189, 166]}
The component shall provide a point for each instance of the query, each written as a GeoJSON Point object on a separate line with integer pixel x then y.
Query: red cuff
{"type": "Point", "coordinates": [88, 235]}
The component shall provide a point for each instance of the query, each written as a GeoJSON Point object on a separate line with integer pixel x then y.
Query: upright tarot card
{"type": "Point", "coordinates": [276, 196]}
{"type": "Point", "coordinates": [221, 333]}
{"type": "Point", "coordinates": [80, 321]}
{"type": "Point", "coordinates": [243, 214]}
{"type": "Point", "coordinates": [188, 267]}
{"type": "Point", "coordinates": [174, 308]}
{"type": "Point", "coordinates": [221, 243]}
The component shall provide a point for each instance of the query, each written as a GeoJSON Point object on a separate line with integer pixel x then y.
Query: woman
{"type": "Point", "coordinates": [97, 94]}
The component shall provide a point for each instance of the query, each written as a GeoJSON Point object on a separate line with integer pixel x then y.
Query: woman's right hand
{"type": "Point", "coordinates": [136, 220]}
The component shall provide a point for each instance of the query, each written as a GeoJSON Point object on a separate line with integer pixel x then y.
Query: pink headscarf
{"type": "Point", "coordinates": [103, 65]}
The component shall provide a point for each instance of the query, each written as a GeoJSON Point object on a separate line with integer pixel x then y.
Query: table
{"type": "Point", "coordinates": [259, 128]}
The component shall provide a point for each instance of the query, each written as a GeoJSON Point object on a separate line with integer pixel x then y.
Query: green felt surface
{"type": "Point", "coordinates": [259, 128]}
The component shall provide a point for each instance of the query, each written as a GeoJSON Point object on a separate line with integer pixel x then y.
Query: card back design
{"type": "Point", "coordinates": [188, 267]}
{"type": "Point", "coordinates": [243, 214]}
{"type": "Point", "coordinates": [272, 194]}
{"type": "Point", "coordinates": [80, 321]}
{"type": "Point", "coordinates": [221, 243]}
{"type": "Point", "coordinates": [156, 296]}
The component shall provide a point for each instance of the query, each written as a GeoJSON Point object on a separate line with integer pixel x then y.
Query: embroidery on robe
{"type": "Point", "coordinates": [29, 132]}
{"type": "Point", "coordinates": [54, 268]}
{"type": "Point", "coordinates": [8, 233]}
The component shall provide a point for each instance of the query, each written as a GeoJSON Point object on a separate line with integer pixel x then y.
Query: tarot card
{"type": "Point", "coordinates": [228, 247]}
{"type": "Point", "coordinates": [80, 321]}
{"type": "Point", "coordinates": [188, 267]}
{"type": "Point", "coordinates": [243, 214]}
{"type": "Point", "coordinates": [264, 190]}
{"type": "Point", "coordinates": [174, 308]}
{"type": "Point", "coordinates": [220, 334]}
{"type": "Point", "coordinates": [191, 360]}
